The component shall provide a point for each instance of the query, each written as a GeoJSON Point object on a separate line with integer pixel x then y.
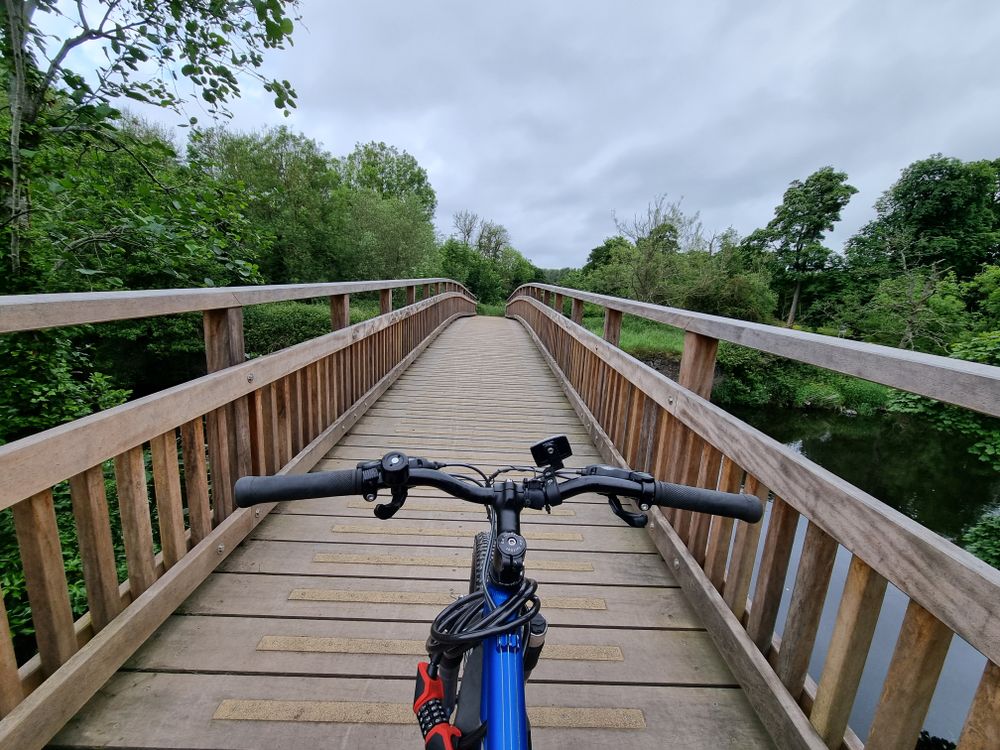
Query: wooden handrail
{"type": "Point", "coordinates": [954, 381]}
{"type": "Point", "coordinates": [642, 419]}
{"type": "Point", "coordinates": [33, 311]}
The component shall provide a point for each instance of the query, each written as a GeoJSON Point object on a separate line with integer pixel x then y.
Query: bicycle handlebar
{"type": "Point", "coordinates": [397, 473]}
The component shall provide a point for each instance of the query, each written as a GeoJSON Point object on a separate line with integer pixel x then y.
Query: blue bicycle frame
{"type": "Point", "coordinates": [502, 706]}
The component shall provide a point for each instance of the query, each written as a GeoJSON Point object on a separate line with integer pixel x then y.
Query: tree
{"type": "Point", "coordinates": [389, 173]}
{"type": "Point", "coordinates": [292, 190]}
{"type": "Point", "coordinates": [491, 239]}
{"type": "Point", "coordinates": [685, 230]}
{"type": "Point", "coordinates": [942, 211]}
{"type": "Point", "coordinates": [808, 210]}
{"type": "Point", "coordinates": [465, 223]}
{"type": "Point", "coordinates": [602, 254]}
{"type": "Point", "coordinates": [388, 237]}
{"type": "Point", "coordinates": [920, 309]}
{"type": "Point", "coordinates": [147, 46]}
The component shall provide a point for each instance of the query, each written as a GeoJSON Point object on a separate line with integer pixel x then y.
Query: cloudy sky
{"type": "Point", "coordinates": [548, 116]}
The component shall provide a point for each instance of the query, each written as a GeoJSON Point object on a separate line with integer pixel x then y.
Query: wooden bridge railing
{"type": "Point", "coordinates": [278, 413]}
{"type": "Point", "coordinates": [647, 421]}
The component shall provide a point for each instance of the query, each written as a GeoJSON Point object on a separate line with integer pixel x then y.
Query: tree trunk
{"type": "Point", "coordinates": [795, 303]}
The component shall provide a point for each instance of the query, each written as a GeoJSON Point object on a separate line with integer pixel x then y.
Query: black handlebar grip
{"type": "Point", "coordinates": [744, 507]}
{"type": "Point", "coordinates": [254, 490]}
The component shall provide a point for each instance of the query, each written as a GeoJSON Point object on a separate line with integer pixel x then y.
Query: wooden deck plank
{"type": "Point", "coordinates": [321, 648]}
{"type": "Point", "coordinates": [395, 561]}
{"type": "Point", "coordinates": [692, 718]}
{"type": "Point", "coordinates": [317, 615]}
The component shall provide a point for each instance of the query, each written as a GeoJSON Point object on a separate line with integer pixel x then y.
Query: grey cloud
{"type": "Point", "coordinates": [546, 117]}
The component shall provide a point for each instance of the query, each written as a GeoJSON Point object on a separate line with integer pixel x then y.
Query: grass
{"type": "Point", "coordinates": [495, 311]}
{"type": "Point", "coordinates": [640, 337]}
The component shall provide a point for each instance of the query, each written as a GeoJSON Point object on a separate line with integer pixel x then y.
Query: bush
{"type": "Point", "coordinates": [985, 348]}
{"type": "Point", "coordinates": [983, 539]}
{"type": "Point", "coordinates": [272, 327]}
{"type": "Point", "coordinates": [45, 381]}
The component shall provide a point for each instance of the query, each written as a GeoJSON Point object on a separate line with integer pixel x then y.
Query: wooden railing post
{"type": "Point", "coordinates": [224, 348]}
{"type": "Point", "coordinates": [427, 291]}
{"type": "Point", "coordinates": [559, 303]}
{"type": "Point", "coordinates": [385, 301]}
{"type": "Point", "coordinates": [576, 314]}
{"type": "Point", "coordinates": [612, 326]}
{"type": "Point", "coordinates": [411, 295]}
{"type": "Point", "coordinates": [340, 311]}
{"type": "Point", "coordinates": [546, 297]}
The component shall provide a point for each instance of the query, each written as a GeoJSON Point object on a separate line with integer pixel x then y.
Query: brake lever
{"type": "Point", "coordinates": [636, 520]}
{"type": "Point", "coordinates": [388, 510]}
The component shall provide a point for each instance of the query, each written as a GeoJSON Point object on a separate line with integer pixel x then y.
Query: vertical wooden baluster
{"type": "Point", "coordinates": [283, 399]}
{"type": "Point", "coordinates": [137, 530]}
{"type": "Point", "coordinates": [337, 384]}
{"type": "Point", "coordinates": [720, 536]}
{"type": "Point", "coordinates": [268, 428]}
{"type": "Point", "coordinates": [11, 692]}
{"type": "Point", "coordinates": [45, 579]}
{"type": "Point", "coordinates": [437, 288]}
{"type": "Point", "coordinates": [224, 348]}
{"type": "Point", "coordinates": [340, 311]}
{"type": "Point", "coordinates": [909, 685]}
{"type": "Point", "coordinates": [169, 506]}
{"type": "Point", "coordinates": [546, 297]}
{"type": "Point", "coordinates": [326, 387]}
{"type": "Point", "coordinates": [744, 555]}
{"type": "Point", "coordinates": [218, 456]}
{"type": "Point", "coordinates": [819, 550]}
{"type": "Point", "coordinates": [612, 326]}
{"type": "Point", "coordinates": [708, 477]}
{"type": "Point", "coordinates": [772, 573]}
{"type": "Point", "coordinates": [196, 480]}
{"type": "Point", "coordinates": [311, 403]}
{"type": "Point", "coordinates": [296, 384]}
{"type": "Point", "coordinates": [634, 424]}
{"type": "Point", "coordinates": [848, 651]}
{"type": "Point", "coordinates": [384, 301]}
{"type": "Point", "coordinates": [576, 312]}
{"type": "Point", "coordinates": [255, 401]}
{"type": "Point", "coordinates": [97, 551]}
{"type": "Point", "coordinates": [647, 437]}
{"type": "Point", "coordinates": [411, 294]}
{"type": "Point", "coordinates": [982, 724]}
{"type": "Point", "coordinates": [427, 291]}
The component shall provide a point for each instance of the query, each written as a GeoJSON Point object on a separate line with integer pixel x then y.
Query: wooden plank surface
{"type": "Point", "coordinates": [320, 613]}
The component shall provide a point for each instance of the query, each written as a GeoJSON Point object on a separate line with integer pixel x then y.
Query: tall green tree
{"type": "Point", "coordinates": [292, 190]}
{"type": "Point", "coordinates": [145, 48]}
{"type": "Point", "coordinates": [808, 210]}
{"type": "Point", "coordinates": [390, 173]}
{"type": "Point", "coordinates": [942, 212]}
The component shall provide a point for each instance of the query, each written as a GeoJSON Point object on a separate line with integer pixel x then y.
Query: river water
{"type": "Point", "coordinates": [924, 474]}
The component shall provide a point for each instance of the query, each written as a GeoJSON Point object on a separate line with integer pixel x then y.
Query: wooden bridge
{"type": "Point", "coordinates": [299, 625]}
